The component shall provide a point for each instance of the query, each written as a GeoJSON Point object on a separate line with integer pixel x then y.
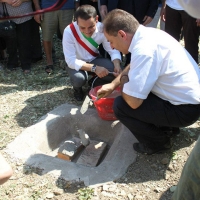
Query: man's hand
{"type": "Point", "coordinates": [163, 11]}
{"type": "Point", "coordinates": [198, 22]}
{"type": "Point", "coordinates": [101, 71]}
{"type": "Point", "coordinates": [147, 20]}
{"type": "Point", "coordinates": [117, 67]}
{"type": "Point", "coordinates": [103, 11]}
{"type": "Point", "coordinates": [105, 90]}
{"type": "Point", "coordinates": [38, 18]}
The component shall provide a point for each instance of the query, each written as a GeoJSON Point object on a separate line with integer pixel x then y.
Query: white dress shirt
{"type": "Point", "coordinates": [159, 64]}
{"type": "Point", "coordinates": [75, 55]}
{"type": "Point", "coordinates": [174, 4]}
{"type": "Point", "coordinates": [191, 6]}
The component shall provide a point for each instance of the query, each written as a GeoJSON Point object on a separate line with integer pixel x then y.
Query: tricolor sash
{"type": "Point", "coordinates": [73, 29]}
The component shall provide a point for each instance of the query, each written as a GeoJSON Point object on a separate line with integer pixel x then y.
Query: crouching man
{"type": "Point", "coordinates": [81, 40]}
{"type": "Point", "coordinates": [160, 88]}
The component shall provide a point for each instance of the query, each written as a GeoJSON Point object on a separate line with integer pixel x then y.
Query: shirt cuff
{"type": "Point", "coordinates": [79, 64]}
{"type": "Point", "coordinates": [116, 56]}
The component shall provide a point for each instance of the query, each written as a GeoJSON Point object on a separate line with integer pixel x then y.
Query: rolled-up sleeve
{"type": "Point", "coordinates": [69, 50]}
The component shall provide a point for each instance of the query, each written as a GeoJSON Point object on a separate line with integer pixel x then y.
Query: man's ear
{"type": "Point", "coordinates": [122, 34]}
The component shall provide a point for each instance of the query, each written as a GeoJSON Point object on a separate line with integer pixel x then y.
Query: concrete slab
{"type": "Point", "coordinates": [38, 145]}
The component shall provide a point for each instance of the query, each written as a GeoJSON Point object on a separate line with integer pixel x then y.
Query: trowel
{"type": "Point", "coordinates": [85, 104]}
{"type": "Point", "coordinates": [88, 101]}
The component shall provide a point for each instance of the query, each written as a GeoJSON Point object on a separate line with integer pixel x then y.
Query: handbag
{"type": "Point", "coordinates": [8, 27]}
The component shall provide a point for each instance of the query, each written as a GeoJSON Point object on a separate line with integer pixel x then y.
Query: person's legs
{"type": "Point", "coordinates": [144, 122]}
{"type": "Point", "coordinates": [173, 23]}
{"type": "Point", "coordinates": [78, 79]}
{"type": "Point", "coordinates": [11, 44]}
{"type": "Point", "coordinates": [191, 34]}
{"type": "Point", "coordinates": [24, 44]}
{"type": "Point", "coordinates": [65, 18]}
{"type": "Point", "coordinates": [36, 47]}
{"type": "Point", "coordinates": [188, 185]}
{"type": "Point", "coordinates": [49, 26]}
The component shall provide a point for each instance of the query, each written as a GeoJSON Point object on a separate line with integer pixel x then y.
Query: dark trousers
{"type": "Point", "coordinates": [36, 47]}
{"type": "Point", "coordinates": [178, 19]}
{"type": "Point", "coordinates": [144, 122]}
{"type": "Point", "coordinates": [21, 45]}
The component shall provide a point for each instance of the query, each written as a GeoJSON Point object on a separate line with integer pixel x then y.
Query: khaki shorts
{"type": "Point", "coordinates": [54, 20]}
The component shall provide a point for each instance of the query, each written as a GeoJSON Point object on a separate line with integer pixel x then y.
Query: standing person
{"type": "Point", "coordinates": [80, 45]}
{"type": "Point", "coordinates": [50, 22]}
{"type": "Point", "coordinates": [160, 87]}
{"type": "Point", "coordinates": [143, 10]}
{"type": "Point", "coordinates": [5, 170]}
{"type": "Point", "coordinates": [188, 185]}
{"type": "Point", "coordinates": [175, 19]}
{"type": "Point", "coordinates": [93, 3]}
{"type": "Point", "coordinates": [21, 44]}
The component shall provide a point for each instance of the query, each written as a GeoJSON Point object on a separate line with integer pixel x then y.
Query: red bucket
{"type": "Point", "coordinates": [104, 106]}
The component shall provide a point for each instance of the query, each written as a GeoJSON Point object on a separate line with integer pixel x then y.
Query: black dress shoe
{"type": "Point", "coordinates": [78, 94]}
{"type": "Point", "coordinates": [143, 148]}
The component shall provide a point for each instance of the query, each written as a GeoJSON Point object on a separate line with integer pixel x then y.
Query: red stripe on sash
{"type": "Point", "coordinates": [81, 42]}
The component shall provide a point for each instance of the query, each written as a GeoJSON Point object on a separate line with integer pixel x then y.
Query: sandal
{"type": "Point", "coordinates": [49, 69]}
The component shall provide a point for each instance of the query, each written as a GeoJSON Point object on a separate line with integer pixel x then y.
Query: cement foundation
{"type": "Point", "coordinates": [37, 146]}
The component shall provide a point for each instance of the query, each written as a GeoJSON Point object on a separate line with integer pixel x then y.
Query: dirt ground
{"type": "Point", "coordinates": [26, 98]}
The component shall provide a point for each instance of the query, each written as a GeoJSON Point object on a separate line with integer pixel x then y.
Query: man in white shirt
{"type": "Point", "coordinates": [80, 45]}
{"type": "Point", "coordinates": [160, 88]}
{"type": "Point", "coordinates": [191, 6]}
{"type": "Point", "coordinates": [177, 19]}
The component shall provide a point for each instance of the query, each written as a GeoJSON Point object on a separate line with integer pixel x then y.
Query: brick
{"type": "Point", "coordinates": [92, 154]}
{"type": "Point", "coordinates": [70, 149]}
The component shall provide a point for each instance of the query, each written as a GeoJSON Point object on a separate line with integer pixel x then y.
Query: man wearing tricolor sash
{"type": "Point", "coordinates": [81, 40]}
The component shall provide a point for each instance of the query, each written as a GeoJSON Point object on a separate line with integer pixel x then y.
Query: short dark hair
{"type": "Point", "coordinates": [120, 20]}
{"type": "Point", "coordinates": [85, 12]}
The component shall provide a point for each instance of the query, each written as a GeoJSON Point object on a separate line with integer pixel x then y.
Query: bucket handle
{"type": "Point", "coordinates": [98, 97]}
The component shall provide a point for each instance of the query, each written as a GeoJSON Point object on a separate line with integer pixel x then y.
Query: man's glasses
{"type": "Point", "coordinates": [59, 4]}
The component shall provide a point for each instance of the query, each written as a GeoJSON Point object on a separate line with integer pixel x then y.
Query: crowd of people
{"type": "Point", "coordinates": [160, 79]}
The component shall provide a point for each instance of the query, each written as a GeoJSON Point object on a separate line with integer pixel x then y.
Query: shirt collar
{"type": "Point", "coordinates": [136, 37]}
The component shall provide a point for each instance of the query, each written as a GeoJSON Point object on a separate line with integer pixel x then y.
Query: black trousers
{"type": "Point", "coordinates": [178, 19]}
{"type": "Point", "coordinates": [144, 122]}
{"type": "Point", "coordinates": [21, 45]}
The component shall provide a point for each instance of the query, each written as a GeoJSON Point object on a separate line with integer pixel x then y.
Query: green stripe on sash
{"type": "Point", "coordinates": [91, 41]}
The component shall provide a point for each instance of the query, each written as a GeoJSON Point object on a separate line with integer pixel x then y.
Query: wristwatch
{"type": "Point", "coordinates": [93, 69]}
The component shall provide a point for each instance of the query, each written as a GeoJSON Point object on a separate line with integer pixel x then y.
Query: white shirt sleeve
{"type": "Point", "coordinates": [142, 75]}
{"type": "Point", "coordinates": [69, 50]}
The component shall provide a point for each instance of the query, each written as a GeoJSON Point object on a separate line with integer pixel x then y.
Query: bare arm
{"type": "Point", "coordinates": [162, 12]}
{"type": "Point", "coordinates": [120, 80]}
{"type": "Point", "coordinates": [5, 170]}
{"type": "Point", "coordinates": [103, 11]}
{"type": "Point", "coordinates": [38, 18]}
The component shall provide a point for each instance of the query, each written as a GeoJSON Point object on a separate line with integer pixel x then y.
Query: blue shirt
{"type": "Point", "coordinates": [47, 3]}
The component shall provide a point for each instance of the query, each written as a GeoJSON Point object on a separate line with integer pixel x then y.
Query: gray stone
{"type": "Point", "coordinates": [37, 146]}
